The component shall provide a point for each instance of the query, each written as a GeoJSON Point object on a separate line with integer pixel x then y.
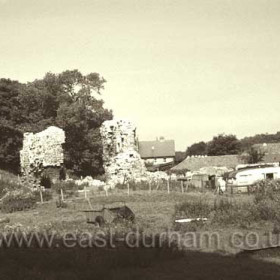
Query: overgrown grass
{"type": "Point", "coordinates": [225, 211]}
{"type": "Point", "coordinates": [17, 197]}
{"type": "Point", "coordinates": [8, 181]}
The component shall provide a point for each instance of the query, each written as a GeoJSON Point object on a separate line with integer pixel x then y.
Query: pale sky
{"type": "Point", "coordinates": [183, 69]}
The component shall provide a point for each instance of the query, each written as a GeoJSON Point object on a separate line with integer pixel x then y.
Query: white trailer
{"type": "Point", "coordinates": [239, 180]}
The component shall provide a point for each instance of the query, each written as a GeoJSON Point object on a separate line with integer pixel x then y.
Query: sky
{"type": "Point", "coordinates": [183, 69]}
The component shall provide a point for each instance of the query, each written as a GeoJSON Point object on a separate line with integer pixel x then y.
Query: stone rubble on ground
{"type": "Point", "coordinates": [90, 182]}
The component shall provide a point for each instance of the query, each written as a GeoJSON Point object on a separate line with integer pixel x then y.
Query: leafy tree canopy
{"type": "Point", "coordinates": [223, 145]}
{"type": "Point", "coordinates": [199, 148]}
{"type": "Point", "coordinates": [253, 155]}
{"type": "Point", "coordinates": [67, 100]}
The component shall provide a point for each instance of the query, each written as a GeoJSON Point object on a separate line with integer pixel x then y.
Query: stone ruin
{"type": "Point", "coordinates": [42, 153]}
{"type": "Point", "coordinates": [121, 159]}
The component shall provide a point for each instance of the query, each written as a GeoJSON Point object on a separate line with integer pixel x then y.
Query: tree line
{"type": "Point", "coordinates": [223, 144]}
{"type": "Point", "coordinates": [66, 100]}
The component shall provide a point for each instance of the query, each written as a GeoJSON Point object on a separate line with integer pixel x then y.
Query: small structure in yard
{"type": "Point", "coordinates": [42, 154]}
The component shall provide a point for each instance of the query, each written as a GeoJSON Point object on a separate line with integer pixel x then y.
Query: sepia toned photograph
{"type": "Point", "coordinates": [139, 139]}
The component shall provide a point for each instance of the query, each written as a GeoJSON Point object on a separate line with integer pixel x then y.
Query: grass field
{"type": "Point", "coordinates": [155, 213]}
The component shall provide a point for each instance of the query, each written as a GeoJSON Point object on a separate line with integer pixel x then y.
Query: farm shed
{"type": "Point", "coordinates": [200, 180]}
{"type": "Point", "coordinates": [196, 163]}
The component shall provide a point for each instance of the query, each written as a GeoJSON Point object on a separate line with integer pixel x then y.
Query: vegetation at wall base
{"type": "Point", "coordinates": [18, 200]}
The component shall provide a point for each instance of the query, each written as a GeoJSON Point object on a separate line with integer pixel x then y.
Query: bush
{"type": "Point", "coordinates": [193, 209]}
{"type": "Point", "coordinates": [18, 200]}
{"type": "Point", "coordinates": [102, 177]}
{"type": "Point", "coordinates": [8, 182]}
{"type": "Point", "coordinates": [46, 182]}
{"type": "Point", "coordinates": [228, 211]}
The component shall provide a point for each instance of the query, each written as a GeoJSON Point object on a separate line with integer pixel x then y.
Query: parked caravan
{"type": "Point", "coordinates": [239, 180]}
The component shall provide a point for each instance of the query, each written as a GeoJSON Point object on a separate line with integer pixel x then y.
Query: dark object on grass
{"type": "Point", "coordinates": [99, 220]}
{"type": "Point", "coordinates": [109, 215]}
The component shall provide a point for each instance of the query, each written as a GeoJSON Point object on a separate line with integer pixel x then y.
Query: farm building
{"type": "Point", "coordinates": [157, 152]}
{"type": "Point", "coordinates": [271, 151]}
{"type": "Point", "coordinates": [197, 163]}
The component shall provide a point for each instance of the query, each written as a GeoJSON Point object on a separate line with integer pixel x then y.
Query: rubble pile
{"type": "Point", "coordinates": [90, 182]}
{"type": "Point", "coordinates": [121, 159]}
{"type": "Point", "coordinates": [40, 151]}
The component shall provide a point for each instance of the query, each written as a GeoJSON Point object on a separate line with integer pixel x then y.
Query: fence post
{"type": "Point", "coordinates": [41, 195]}
{"type": "Point", "coordinates": [85, 191]}
{"type": "Point", "coordinates": [127, 188]}
{"type": "Point", "coordinates": [182, 186]}
{"type": "Point", "coordinates": [168, 186]}
{"type": "Point", "coordinates": [61, 193]}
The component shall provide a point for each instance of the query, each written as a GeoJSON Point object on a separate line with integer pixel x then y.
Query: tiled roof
{"type": "Point", "coordinates": [269, 148]}
{"type": "Point", "coordinates": [156, 149]}
{"type": "Point", "coordinates": [271, 158]}
{"type": "Point", "coordinates": [195, 163]}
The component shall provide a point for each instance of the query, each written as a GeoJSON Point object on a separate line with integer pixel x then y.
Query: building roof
{"type": "Point", "coordinates": [195, 163]}
{"type": "Point", "coordinates": [270, 158]}
{"type": "Point", "coordinates": [157, 149]}
{"type": "Point", "coordinates": [269, 148]}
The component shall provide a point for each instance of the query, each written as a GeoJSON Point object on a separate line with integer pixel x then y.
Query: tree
{"type": "Point", "coordinates": [223, 145]}
{"type": "Point", "coordinates": [10, 117]}
{"type": "Point", "coordinates": [253, 155]}
{"type": "Point", "coordinates": [66, 100]}
{"type": "Point", "coordinates": [199, 148]}
{"type": "Point", "coordinates": [247, 142]}
{"type": "Point", "coordinates": [10, 144]}
{"type": "Point", "coordinates": [179, 157]}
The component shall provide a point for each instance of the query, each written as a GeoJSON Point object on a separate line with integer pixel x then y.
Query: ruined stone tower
{"type": "Point", "coordinates": [121, 159]}
{"type": "Point", "coordinates": [42, 152]}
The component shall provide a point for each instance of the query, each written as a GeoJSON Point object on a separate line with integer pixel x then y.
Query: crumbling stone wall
{"type": "Point", "coordinates": [121, 159]}
{"type": "Point", "coordinates": [41, 151]}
